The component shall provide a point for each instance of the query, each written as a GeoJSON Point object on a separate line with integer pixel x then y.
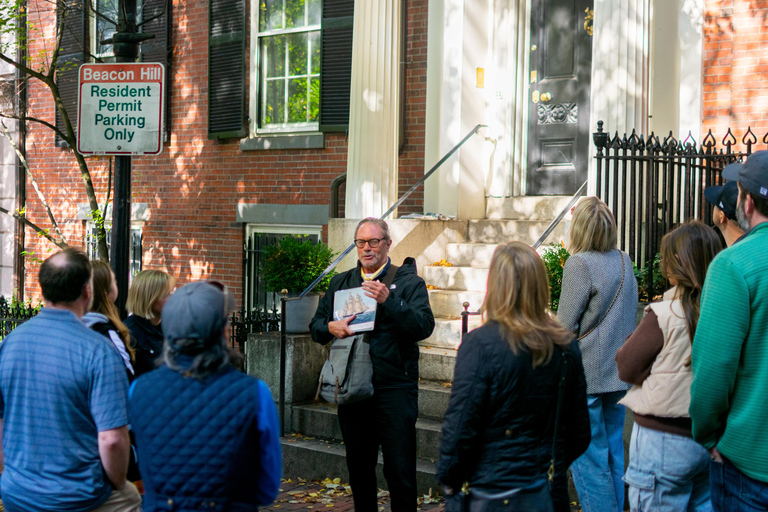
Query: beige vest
{"type": "Point", "coordinates": [667, 391]}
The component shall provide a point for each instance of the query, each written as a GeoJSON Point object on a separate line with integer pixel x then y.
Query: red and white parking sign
{"type": "Point", "coordinates": [120, 109]}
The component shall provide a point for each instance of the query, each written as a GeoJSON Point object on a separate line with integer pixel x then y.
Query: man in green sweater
{"type": "Point", "coordinates": [730, 353]}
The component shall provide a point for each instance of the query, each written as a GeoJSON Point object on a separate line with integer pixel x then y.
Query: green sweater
{"type": "Point", "coordinates": [729, 394]}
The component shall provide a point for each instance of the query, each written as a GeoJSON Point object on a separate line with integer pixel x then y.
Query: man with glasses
{"type": "Point", "coordinates": [388, 419]}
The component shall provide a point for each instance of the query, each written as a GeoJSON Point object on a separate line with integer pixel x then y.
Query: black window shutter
{"type": "Point", "coordinates": [226, 69]}
{"type": "Point", "coordinates": [158, 49]}
{"type": "Point", "coordinates": [71, 55]}
{"type": "Point", "coordinates": [336, 66]}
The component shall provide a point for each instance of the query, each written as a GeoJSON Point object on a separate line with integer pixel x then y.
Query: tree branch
{"type": "Point", "coordinates": [40, 231]}
{"type": "Point", "coordinates": [34, 182]}
{"type": "Point", "coordinates": [58, 132]}
{"type": "Point", "coordinates": [153, 18]}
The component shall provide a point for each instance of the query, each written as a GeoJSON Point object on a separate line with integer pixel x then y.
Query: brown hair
{"type": "Point", "coordinates": [148, 287]}
{"type": "Point", "coordinates": [686, 253]}
{"type": "Point", "coordinates": [375, 222]}
{"type": "Point", "coordinates": [517, 299]}
{"type": "Point", "coordinates": [593, 227]}
{"type": "Point", "coordinates": [102, 282]}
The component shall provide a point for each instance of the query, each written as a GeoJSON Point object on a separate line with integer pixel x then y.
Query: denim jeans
{"type": "Point", "coordinates": [597, 473]}
{"type": "Point", "coordinates": [667, 473]}
{"type": "Point", "coordinates": [733, 491]}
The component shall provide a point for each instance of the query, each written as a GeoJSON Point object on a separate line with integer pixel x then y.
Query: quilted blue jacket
{"type": "Point", "coordinates": [205, 445]}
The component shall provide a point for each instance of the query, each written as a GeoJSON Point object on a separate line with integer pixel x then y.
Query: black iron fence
{"type": "Point", "coordinates": [13, 314]}
{"type": "Point", "coordinates": [652, 185]}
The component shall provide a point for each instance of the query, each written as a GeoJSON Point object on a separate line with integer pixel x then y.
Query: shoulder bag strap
{"type": "Point", "coordinates": [621, 284]}
{"type": "Point", "coordinates": [389, 277]}
{"type": "Point", "coordinates": [560, 393]}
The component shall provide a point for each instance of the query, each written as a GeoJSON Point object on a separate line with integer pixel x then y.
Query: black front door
{"type": "Point", "coordinates": [558, 96]}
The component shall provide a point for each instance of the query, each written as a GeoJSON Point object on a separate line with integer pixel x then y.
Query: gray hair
{"type": "Point", "coordinates": [208, 356]}
{"type": "Point", "coordinates": [376, 222]}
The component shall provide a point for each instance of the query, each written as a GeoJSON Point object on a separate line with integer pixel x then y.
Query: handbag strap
{"type": "Point", "coordinates": [560, 393]}
{"type": "Point", "coordinates": [621, 285]}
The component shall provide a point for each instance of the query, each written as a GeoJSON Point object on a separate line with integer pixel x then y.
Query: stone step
{"type": "Point", "coordinates": [449, 303]}
{"type": "Point", "coordinates": [318, 420]}
{"type": "Point", "coordinates": [433, 399]}
{"type": "Point", "coordinates": [436, 364]}
{"type": "Point", "coordinates": [447, 333]}
{"type": "Point", "coordinates": [470, 255]}
{"type": "Point", "coordinates": [502, 231]}
{"type": "Point", "coordinates": [525, 207]}
{"type": "Point", "coordinates": [314, 459]}
{"type": "Point", "coordinates": [457, 278]}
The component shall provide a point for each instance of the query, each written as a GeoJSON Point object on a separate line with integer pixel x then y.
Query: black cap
{"type": "Point", "coordinates": [752, 174]}
{"type": "Point", "coordinates": [724, 197]}
{"type": "Point", "coordinates": [197, 311]}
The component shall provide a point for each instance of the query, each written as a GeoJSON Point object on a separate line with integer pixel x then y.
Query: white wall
{"type": "Point", "coordinates": [7, 197]}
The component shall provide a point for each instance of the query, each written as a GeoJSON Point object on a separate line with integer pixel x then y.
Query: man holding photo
{"type": "Point", "coordinates": [388, 419]}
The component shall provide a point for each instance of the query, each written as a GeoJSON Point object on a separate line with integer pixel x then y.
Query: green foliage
{"type": "Point", "coordinates": [641, 274]}
{"type": "Point", "coordinates": [554, 259]}
{"type": "Point", "coordinates": [293, 263]}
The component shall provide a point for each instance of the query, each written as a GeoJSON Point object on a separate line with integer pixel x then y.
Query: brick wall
{"type": "Point", "coordinates": [736, 68]}
{"type": "Point", "coordinates": [192, 188]}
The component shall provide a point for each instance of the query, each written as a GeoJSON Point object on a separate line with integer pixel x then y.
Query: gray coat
{"type": "Point", "coordinates": [590, 282]}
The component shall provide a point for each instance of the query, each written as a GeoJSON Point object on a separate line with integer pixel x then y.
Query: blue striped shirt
{"type": "Point", "coordinates": [60, 385]}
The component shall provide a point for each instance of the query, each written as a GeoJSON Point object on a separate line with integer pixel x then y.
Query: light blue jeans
{"type": "Point", "coordinates": [597, 473]}
{"type": "Point", "coordinates": [667, 472]}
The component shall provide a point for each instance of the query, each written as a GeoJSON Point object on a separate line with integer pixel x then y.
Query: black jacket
{"type": "Point", "coordinates": [401, 321]}
{"type": "Point", "coordinates": [147, 343]}
{"type": "Point", "coordinates": [498, 429]}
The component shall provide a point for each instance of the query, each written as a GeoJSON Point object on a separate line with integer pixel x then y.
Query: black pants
{"type": "Point", "coordinates": [388, 419]}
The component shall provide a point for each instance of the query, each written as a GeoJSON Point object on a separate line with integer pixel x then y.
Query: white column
{"type": "Point", "coordinates": [620, 70]}
{"type": "Point", "coordinates": [372, 177]}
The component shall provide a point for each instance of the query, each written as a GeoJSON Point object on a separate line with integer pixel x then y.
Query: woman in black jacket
{"type": "Point", "coordinates": [146, 298]}
{"type": "Point", "coordinates": [500, 424]}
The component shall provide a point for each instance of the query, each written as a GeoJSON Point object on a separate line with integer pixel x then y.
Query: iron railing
{"type": "Point", "coordinates": [652, 185]}
{"type": "Point", "coordinates": [13, 314]}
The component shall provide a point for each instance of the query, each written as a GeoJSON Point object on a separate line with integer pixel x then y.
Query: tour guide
{"type": "Point", "coordinates": [388, 419]}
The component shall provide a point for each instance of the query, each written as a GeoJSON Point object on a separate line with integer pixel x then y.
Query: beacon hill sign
{"type": "Point", "coordinates": [120, 109]}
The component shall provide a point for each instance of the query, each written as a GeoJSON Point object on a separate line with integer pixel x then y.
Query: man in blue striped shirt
{"type": "Point", "coordinates": [63, 404]}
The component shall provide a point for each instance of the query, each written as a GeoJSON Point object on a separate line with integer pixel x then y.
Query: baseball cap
{"type": "Point", "coordinates": [198, 311]}
{"type": "Point", "coordinates": [752, 174]}
{"type": "Point", "coordinates": [724, 197]}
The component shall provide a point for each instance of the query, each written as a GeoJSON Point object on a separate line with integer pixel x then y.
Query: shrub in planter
{"type": "Point", "coordinates": [554, 259]}
{"type": "Point", "coordinates": [293, 264]}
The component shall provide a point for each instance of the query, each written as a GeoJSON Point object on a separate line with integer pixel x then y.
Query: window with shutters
{"type": "Point", "coordinates": [289, 64]}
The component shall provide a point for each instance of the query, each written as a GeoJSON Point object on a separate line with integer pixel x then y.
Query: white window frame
{"type": "Point", "coordinates": [93, 34]}
{"type": "Point", "coordinates": [135, 226]}
{"type": "Point", "coordinates": [257, 89]}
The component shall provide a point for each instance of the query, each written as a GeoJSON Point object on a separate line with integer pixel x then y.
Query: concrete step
{"type": "Point", "coordinates": [449, 303]}
{"type": "Point", "coordinates": [314, 459]}
{"type": "Point", "coordinates": [525, 207]}
{"type": "Point", "coordinates": [433, 399]}
{"type": "Point", "coordinates": [436, 364]}
{"type": "Point", "coordinates": [457, 278]}
{"type": "Point", "coordinates": [447, 333]}
{"type": "Point", "coordinates": [318, 420]}
{"type": "Point", "coordinates": [502, 231]}
{"type": "Point", "coordinates": [470, 255]}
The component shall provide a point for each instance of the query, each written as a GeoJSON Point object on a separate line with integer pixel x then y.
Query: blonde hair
{"type": "Point", "coordinates": [148, 287]}
{"type": "Point", "coordinates": [517, 299]}
{"type": "Point", "coordinates": [593, 227]}
{"type": "Point", "coordinates": [102, 282]}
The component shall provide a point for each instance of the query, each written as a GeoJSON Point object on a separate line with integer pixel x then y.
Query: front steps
{"type": "Point", "coordinates": [316, 451]}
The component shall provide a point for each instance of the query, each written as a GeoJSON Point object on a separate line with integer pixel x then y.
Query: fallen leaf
{"type": "Point", "coordinates": [337, 480]}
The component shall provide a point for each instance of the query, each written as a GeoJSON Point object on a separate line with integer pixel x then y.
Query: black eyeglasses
{"type": "Point", "coordinates": [373, 242]}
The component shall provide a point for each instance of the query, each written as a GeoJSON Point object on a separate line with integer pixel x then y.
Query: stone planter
{"type": "Point", "coordinates": [298, 313]}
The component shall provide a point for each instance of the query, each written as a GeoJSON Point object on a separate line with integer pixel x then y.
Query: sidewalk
{"type": "Point", "coordinates": [333, 495]}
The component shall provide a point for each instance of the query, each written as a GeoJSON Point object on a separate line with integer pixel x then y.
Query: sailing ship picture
{"type": "Point", "coordinates": [347, 303]}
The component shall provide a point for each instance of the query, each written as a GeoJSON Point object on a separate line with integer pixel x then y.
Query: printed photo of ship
{"type": "Point", "coordinates": [354, 302]}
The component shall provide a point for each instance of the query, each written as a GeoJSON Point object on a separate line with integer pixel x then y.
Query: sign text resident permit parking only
{"type": "Point", "coordinates": [120, 109]}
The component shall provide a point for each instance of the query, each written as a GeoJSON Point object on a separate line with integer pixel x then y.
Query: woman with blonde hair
{"type": "Point", "coordinates": [146, 298]}
{"type": "Point", "coordinates": [516, 378]}
{"type": "Point", "coordinates": [104, 318]}
{"type": "Point", "coordinates": [598, 303]}
{"type": "Point", "coordinates": [657, 360]}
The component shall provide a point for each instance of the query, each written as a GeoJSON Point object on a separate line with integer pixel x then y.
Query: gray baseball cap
{"type": "Point", "coordinates": [752, 174]}
{"type": "Point", "coordinates": [197, 310]}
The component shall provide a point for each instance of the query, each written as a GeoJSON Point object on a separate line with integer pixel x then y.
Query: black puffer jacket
{"type": "Point", "coordinates": [147, 342]}
{"type": "Point", "coordinates": [401, 321]}
{"type": "Point", "coordinates": [498, 429]}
